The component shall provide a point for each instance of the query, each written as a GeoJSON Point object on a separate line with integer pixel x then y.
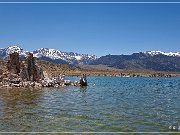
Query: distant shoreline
{"type": "Point", "coordinates": [125, 74]}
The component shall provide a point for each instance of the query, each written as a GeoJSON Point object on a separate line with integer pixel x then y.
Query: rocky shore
{"type": "Point", "coordinates": [29, 74]}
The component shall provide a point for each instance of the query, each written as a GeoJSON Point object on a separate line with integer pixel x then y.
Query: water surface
{"type": "Point", "coordinates": [108, 104]}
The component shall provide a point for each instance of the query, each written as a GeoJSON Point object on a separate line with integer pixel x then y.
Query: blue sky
{"type": "Point", "coordinates": [99, 29]}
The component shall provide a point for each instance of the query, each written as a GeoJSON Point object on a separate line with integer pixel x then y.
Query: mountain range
{"type": "Point", "coordinates": [142, 61]}
{"type": "Point", "coordinates": [149, 60]}
{"type": "Point", "coordinates": [51, 55]}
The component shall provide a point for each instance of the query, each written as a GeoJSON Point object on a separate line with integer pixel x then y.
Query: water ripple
{"type": "Point", "coordinates": [112, 104]}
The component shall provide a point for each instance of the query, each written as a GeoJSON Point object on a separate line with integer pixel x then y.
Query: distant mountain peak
{"type": "Point", "coordinates": [4, 52]}
{"type": "Point", "coordinates": [13, 48]}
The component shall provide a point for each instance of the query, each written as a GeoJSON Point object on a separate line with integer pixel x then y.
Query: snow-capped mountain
{"type": "Point", "coordinates": [4, 52]}
{"type": "Point", "coordinates": [50, 55]}
{"type": "Point", "coordinates": [70, 57]}
{"type": "Point", "coordinates": [152, 53]}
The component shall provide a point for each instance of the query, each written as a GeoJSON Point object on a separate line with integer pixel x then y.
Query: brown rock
{"type": "Point", "coordinates": [33, 72]}
{"type": "Point", "coordinates": [1, 71]}
{"type": "Point", "coordinates": [31, 67]}
{"type": "Point", "coordinates": [24, 72]}
{"type": "Point", "coordinates": [1, 78]}
{"type": "Point", "coordinates": [13, 64]}
{"type": "Point", "coordinates": [38, 74]}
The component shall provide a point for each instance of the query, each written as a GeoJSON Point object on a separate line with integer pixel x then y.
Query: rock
{"type": "Point", "coordinates": [5, 79]}
{"type": "Point", "coordinates": [1, 83]}
{"type": "Point", "coordinates": [24, 72]}
{"type": "Point", "coordinates": [47, 82]}
{"type": "Point", "coordinates": [83, 81]}
{"type": "Point", "coordinates": [67, 82]}
{"type": "Point", "coordinates": [13, 64]}
{"type": "Point", "coordinates": [56, 85]}
{"type": "Point", "coordinates": [15, 81]}
{"type": "Point", "coordinates": [15, 85]}
{"type": "Point", "coordinates": [58, 80]}
{"type": "Point", "coordinates": [1, 78]}
{"type": "Point", "coordinates": [39, 74]}
{"type": "Point", "coordinates": [31, 67]}
{"type": "Point", "coordinates": [1, 71]}
{"type": "Point", "coordinates": [6, 85]}
{"type": "Point", "coordinates": [6, 74]}
{"type": "Point", "coordinates": [76, 83]}
{"type": "Point", "coordinates": [12, 76]}
{"type": "Point", "coordinates": [35, 73]}
{"type": "Point", "coordinates": [38, 85]}
{"type": "Point", "coordinates": [62, 84]}
{"type": "Point", "coordinates": [26, 84]}
{"type": "Point", "coordinates": [32, 84]}
{"type": "Point", "coordinates": [30, 71]}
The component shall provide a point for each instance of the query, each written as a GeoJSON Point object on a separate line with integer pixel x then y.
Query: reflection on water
{"type": "Point", "coordinates": [83, 89]}
{"type": "Point", "coordinates": [107, 104]}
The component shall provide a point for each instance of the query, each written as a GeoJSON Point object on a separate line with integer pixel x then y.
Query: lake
{"type": "Point", "coordinates": [108, 104]}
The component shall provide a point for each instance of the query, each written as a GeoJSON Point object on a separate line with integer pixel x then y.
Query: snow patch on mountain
{"type": "Point", "coordinates": [152, 53]}
{"type": "Point", "coordinates": [70, 57]}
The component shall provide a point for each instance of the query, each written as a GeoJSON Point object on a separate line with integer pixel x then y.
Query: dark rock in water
{"type": "Point", "coordinates": [83, 81]}
{"type": "Point", "coordinates": [13, 64]}
{"type": "Point", "coordinates": [67, 82]}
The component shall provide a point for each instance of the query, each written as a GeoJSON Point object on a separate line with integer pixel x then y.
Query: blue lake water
{"type": "Point", "coordinates": [108, 104]}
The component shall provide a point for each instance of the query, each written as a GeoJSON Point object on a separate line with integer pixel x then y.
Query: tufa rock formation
{"type": "Point", "coordinates": [24, 72]}
{"type": "Point", "coordinates": [30, 71]}
{"type": "Point", "coordinates": [13, 64]}
{"type": "Point", "coordinates": [28, 74]}
{"type": "Point", "coordinates": [1, 71]}
{"type": "Point", "coordinates": [31, 68]}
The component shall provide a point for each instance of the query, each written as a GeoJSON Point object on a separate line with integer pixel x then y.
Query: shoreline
{"type": "Point", "coordinates": [125, 74]}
